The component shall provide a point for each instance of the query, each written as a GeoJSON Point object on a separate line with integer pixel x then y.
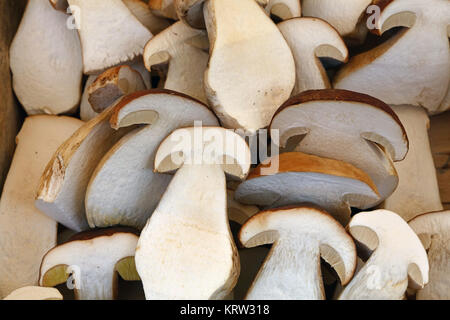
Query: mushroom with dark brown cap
{"type": "Point", "coordinates": [190, 222]}
{"type": "Point", "coordinates": [124, 189]}
{"type": "Point", "coordinates": [309, 40]}
{"type": "Point", "coordinates": [398, 259]}
{"type": "Point", "coordinates": [346, 126]}
{"type": "Point", "coordinates": [433, 230]}
{"type": "Point", "coordinates": [93, 259]}
{"type": "Point", "coordinates": [333, 185]}
{"type": "Point", "coordinates": [300, 236]}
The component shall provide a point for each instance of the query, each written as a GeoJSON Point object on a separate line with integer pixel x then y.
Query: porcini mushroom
{"type": "Point", "coordinates": [190, 221]}
{"type": "Point", "coordinates": [382, 72]}
{"type": "Point", "coordinates": [239, 212]}
{"type": "Point", "coordinates": [86, 111]}
{"type": "Point", "coordinates": [346, 126]}
{"type": "Point", "coordinates": [113, 84]}
{"type": "Point", "coordinates": [190, 12]}
{"type": "Point", "coordinates": [418, 190]}
{"type": "Point", "coordinates": [300, 236]}
{"type": "Point", "coordinates": [26, 234]}
{"type": "Point", "coordinates": [185, 63]}
{"type": "Point", "coordinates": [110, 34]}
{"type": "Point", "coordinates": [333, 185]}
{"type": "Point", "coordinates": [63, 184]}
{"type": "Point", "coordinates": [124, 189]}
{"type": "Point", "coordinates": [93, 259]}
{"type": "Point", "coordinates": [434, 231]}
{"type": "Point", "coordinates": [284, 9]}
{"type": "Point", "coordinates": [345, 16]}
{"type": "Point", "coordinates": [309, 39]}
{"type": "Point", "coordinates": [35, 293]}
{"type": "Point", "coordinates": [398, 257]}
{"type": "Point", "coordinates": [142, 12]}
{"type": "Point", "coordinates": [246, 46]}
{"type": "Point", "coordinates": [46, 62]}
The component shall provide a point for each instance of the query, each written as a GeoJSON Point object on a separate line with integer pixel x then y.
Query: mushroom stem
{"type": "Point", "coordinates": [299, 272]}
{"type": "Point", "coordinates": [418, 190]}
{"type": "Point", "coordinates": [98, 284]}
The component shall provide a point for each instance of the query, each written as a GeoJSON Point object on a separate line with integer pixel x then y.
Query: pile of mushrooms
{"type": "Point", "coordinates": [137, 157]}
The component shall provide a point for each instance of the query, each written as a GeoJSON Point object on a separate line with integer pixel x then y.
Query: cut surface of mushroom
{"type": "Point", "coordinates": [63, 184]}
{"type": "Point", "coordinates": [113, 84]}
{"type": "Point", "coordinates": [284, 9]}
{"type": "Point", "coordinates": [398, 257]}
{"type": "Point", "coordinates": [35, 293]}
{"type": "Point", "coordinates": [346, 126]}
{"type": "Point", "coordinates": [418, 189]}
{"type": "Point", "coordinates": [333, 185]}
{"type": "Point", "coordinates": [246, 47]}
{"type": "Point", "coordinates": [434, 231]}
{"type": "Point", "coordinates": [392, 71]}
{"type": "Point", "coordinates": [46, 61]}
{"type": "Point", "coordinates": [86, 111]}
{"type": "Point", "coordinates": [309, 39]}
{"type": "Point", "coordinates": [124, 189]}
{"type": "Point", "coordinates": [188, 238]}
{"type": "Point", "coordinates": [190, 12]}
{"type": "Point", "coordinates": [26, 234]}
{"type": "Point", "coordinates": [186, 63]}
{"type": "Point", "coordinates": [239, 212]}
{"type": "Point", "coordinates": [110, 34]}
{"type": "Point", "coordinates": [142, 12]}
{"type": "Point", "coordinates": [345, 16]}
{"type": "Point", "coordinates": [300, 236]}
{"type": "Point", "coordinates": [92, 259]}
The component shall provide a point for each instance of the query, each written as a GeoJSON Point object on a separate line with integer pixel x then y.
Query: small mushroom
{"type": "Point", "coordinates": [110, 34]}
{"type": "Point", "coordinates": [246, 48]}
{"type": "Point", "coordinates": [346, 126]}
{"type": "Point", "coordinates": [92, 259]}
{"type": "Point", "coordinates": [113, 84]}
{"type": "Point", "coordinates": [398, 257]}
{"type": "Point", "coordinates": [46, 61]}
{"type": "Point", "coordinates": [123, 189]}
{"type": "Point", "coordinates": [418, 189]}
{"type": "Point", "coordinates": [346, 16]}
{"type": "Point", "coordinates": [26, 234]}
{"type": "Point", "coordinates": [434, 231]}
{"type": "Point", "coordinates": [186, 250]}
{"type": "Point", "coordinates": [142, 12]}
{"type": "Point", "coordinates": [300, 236]}
{"type": "Point", "coordinates": [35, 293]}
{"type": "Point", "coordinates": [333, 185]}
{"type": "Point", "coordinates": [284, 9]}
{"type": "Point", "coordinates": [393, 71]}
{"type": "Point", "coordinates": [63, 184]}
{"type": "Point", "coordinates": [185, 64]}
{"type": "Point", "coordinates": [309, 39]}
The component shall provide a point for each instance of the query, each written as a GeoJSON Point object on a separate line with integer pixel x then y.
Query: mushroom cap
{"type": "Point", "coordinates": [393, 239]}
{"type": "Point", "coordinates": [113, 84]}
{"type": "Point", "coordinates": [35, 293]}
{"type": "Point", "coordinates": [110, 34]}
{"type": "Point", "coordinates": [309, 39]}
{"type": "Point", "coordinates": [335, 122]}
{"type": "Point", "coordinates": [204, 145]}
{"type": "Point", "coordinates": [434, 231]}
{"type": "Point", "coordinates": [103, 250]}
{"type": "Point", "coordinates": [297, 223]}
{"type": "Point", "coordinates": [126, 170]}
{"type": "Point", "coordinates": [331, 184]}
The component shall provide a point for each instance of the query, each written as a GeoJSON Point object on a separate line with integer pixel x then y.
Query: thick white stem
{"type": "Point", "coordinates": [291, 271]}
{"type": "Point", "coordinates": [418, 189]}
